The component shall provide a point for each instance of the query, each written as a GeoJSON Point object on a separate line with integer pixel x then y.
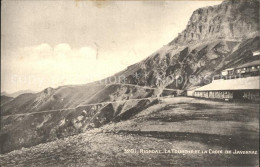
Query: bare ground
{"type": "Point", "coordinates": [177, 123]}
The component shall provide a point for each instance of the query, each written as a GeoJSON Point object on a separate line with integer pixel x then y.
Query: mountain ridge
{"type": "Point", "coordinates": [232, 19]}
{"type": "Point", "coordinates": [200, 56]}
{"type": "Point", "coordinates": [17, 93]}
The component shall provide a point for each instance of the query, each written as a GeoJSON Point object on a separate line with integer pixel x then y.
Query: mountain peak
{"type": "Point", "coordinates": [232, 19]}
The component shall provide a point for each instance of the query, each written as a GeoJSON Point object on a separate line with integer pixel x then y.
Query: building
{"type": "Point", "coordinates": [241, 83]}
{"type": "Point", "coordinates": [245, 70]}
{"type": "Point", "coordinates": [256, 53]}
{"type": "Point", "coordinates": [251, 69]}
{"type": "Point", "coordinates": [191, 91]}
{"type": "Point", "coordinates": [241, 88]}
{"type": "Point", "coordinates": [227, 72]}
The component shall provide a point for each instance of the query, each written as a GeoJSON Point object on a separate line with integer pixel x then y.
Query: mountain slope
{"type": "Point", "coordinates": [15, 94]}
{"type": "Point", "coordinates": [188, 61]}
{"type": "Point", "coordinates": [73, 113]}
{"type": "Point", "coordinates": [180, 123]}
{"type": "Point", "coordinates": [233, 19]}
{"type": "Point", "coordinates": [215, 38]}
{"type": "Point", "coordinates": [193, 64]}
{"type": "Point", "coordinates": [5, 99]}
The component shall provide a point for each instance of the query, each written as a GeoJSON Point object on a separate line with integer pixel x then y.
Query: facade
{"type": "Point", "coordinates": [227, 72]}
{"type": "Point", "coordinates": [190, 92]}
{"type": "Point", "coordinates": [256, 53]}
{"type": "Point", "coordinates": [237, 89]}
{"type": "Point", "coordinates": [252, 95]}
{"type": "Point", "coordinates": [252, 68]}
{"type": "Point", "coordinates": [246, 70]}
{"type": "Point", "coordinates": [241, 83]}
{"type": "Point", "coordinates": [215, 94]}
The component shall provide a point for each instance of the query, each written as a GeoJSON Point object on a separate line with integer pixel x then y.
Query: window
{"type": "Point", "coordinates": [230, 72]}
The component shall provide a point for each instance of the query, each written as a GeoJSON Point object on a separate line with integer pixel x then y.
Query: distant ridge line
{"type": "Point", "coordinates": [93, 104]}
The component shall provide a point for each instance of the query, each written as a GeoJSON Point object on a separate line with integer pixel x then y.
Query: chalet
{"type": "Point", "coordinates": [241, 88]}
{"type": "Point", "coordinates": [252, 68]}
{"type": "Point", "coordinates": [245, 70]}
{"type": "Point", "coordinates": [241, 82]}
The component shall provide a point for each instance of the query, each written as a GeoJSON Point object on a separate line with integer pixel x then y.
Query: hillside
{"type": "Point", "coordinates": [5, 99]}
{"type": "Point", "coordinates": [211, 42]}
{"type": "Point", "coordinates": [216, 37]}
{"type": "Point", "coordinates": [15, 94]}
{"type": "Point", "coordinates": [180, 123]}
{"type": "Point", "coordinates": [199, 61]}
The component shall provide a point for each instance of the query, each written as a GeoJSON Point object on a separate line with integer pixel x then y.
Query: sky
{"type": "Point", "coordinates": [64, 42]}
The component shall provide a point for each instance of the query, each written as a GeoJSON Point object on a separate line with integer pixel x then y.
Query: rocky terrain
{"type": "Point", "coordinates": [194, 64]}
{"type": "Point", "coordinates": [232, 20]}
{"type": "Point", "coordinates": [215, 38]}
{"type": "Point", "coordinates": [25, 129]}
{"type": "Point", "coordinates": [177, 123]}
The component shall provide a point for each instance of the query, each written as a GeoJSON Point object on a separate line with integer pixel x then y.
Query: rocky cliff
{"type": "Point", "coordinates": [232, 19]}
{"type": "Point", "coordinates": [216, 38]}
{"type": "Point", "coordinates": [191, 65]}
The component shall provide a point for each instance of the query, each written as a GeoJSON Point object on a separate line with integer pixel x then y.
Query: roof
{"type": "Point", "coordinates": [253, 63]}
{"type": "Point", "coordinates": [248, 83]}
{"type": "Point", "coordinates": [193, 88]}
{"type": "Point", "coordinates": [228, 69]}
{"type": "Point", "coordinates": [256, 53]}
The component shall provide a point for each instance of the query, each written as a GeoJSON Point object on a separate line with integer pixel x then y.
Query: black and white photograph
{"type": "Point", "coordinates": [130, 83]}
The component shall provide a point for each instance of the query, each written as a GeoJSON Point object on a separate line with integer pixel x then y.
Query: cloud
{"type": "Point", "coordinates": [60, 51]}
{"type": "Point", "coordinates": [41, 66]}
